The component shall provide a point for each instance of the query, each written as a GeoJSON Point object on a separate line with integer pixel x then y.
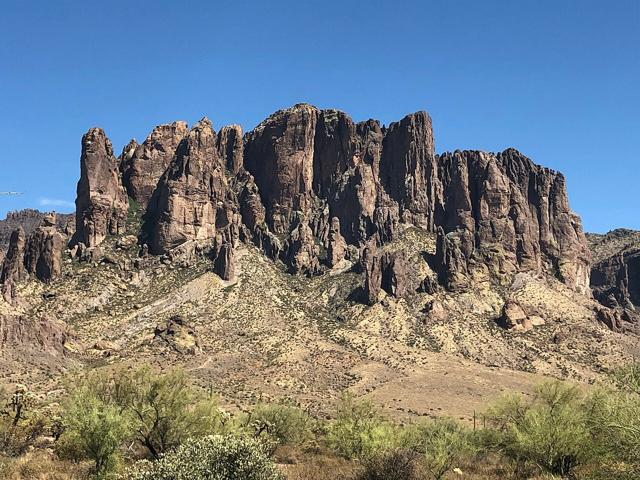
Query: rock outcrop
{"type": "Point", "coordinates": [306, 185]}
{"type": "Point", "coordinates": [45, 334]}
{"type": "Point", "coordinates": [231, 147]}
{"type": "Point", "coordinates": [507, 204]}
{"type": "Point", "coordinates": [225, 262]}
{"type": "Point", "coordinates": [388, 271]}
{"type": "Point", "coordinates": [337, 247]}
{"type": "Point", "coordinates": [615, 275]}
{"type": "Point", "coordinates": [143, 165]}
{"type": "Point", "coordinates": [178, 335]}
{"type": "Point", "coordinates": [189, 194]}
{"type": "Point", "coordinates": [101, 203]}
{"type": "Point", "coordinates": [29, 220]}
{"type": "Point", "coordinates": [43, 253]}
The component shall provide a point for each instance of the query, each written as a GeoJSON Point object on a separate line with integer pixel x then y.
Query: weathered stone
{"type": "Point", "coordinates": [301, 251]}
{"type": "Point", "coordinates": [101, 203]}
{"type": "Point", "coordinates": [43, 254]}
{"type": "Point", "coordinates": [45, 334]}
{"type": "Point", "coordinates": [616, 280]}
{"type": "Point", "coordinates": [408, 169]}
{"type": "Point", "coordinates": [231, 147]}
{"type": "Point", "coordinates": [225, 262]}
{"type": "Point", "coordinates": [179, 335]}
{"type": "Point", "coordinates": [513, 316]}
{"type": "Point", "coordinates": [372, 274]}
{"type": "Point", "coordinates": [396, 278]}
{"type": "Point", "coordinates": [279, 154]}
{"type": "Point", "coordinates": [143, 165]}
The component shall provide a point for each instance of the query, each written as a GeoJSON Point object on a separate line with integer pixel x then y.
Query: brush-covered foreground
{"type": "Point", "coordinates": [141, 424]}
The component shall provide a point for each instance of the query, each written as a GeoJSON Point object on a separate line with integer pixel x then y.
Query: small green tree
{"type": "Point", "coordinates": [95, 429]}
{"type": "Point", "coordinates": [551, 430]}
{"type": "Point", "coordinates": [163, 408]}
{"type": "Point", "coordinates": [214, 457]}
{"type": "Point", "coordinates": [359, 429]}
{"type": "Point", "coordinates": [446, 442]}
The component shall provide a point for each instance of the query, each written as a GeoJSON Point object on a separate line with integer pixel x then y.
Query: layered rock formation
{"type": "Point", "coordinates": [101, 203]}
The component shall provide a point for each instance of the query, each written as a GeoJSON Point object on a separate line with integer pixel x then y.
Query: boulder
{"type": "Point", "coordinates": [178, 334]}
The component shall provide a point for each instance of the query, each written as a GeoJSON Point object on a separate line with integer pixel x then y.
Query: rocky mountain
{"type": "Point", "coordinates": [323, 253]}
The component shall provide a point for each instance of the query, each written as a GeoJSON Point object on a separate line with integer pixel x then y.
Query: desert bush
{"type": "Point", "coordinates": [163, 408]}
{"type": "Point", "coordinates": [394, 464]}
{"type": "Point", "coordinates": [285, 424]}
{"type": "Point", "coordinates": [214, 457]}
{"type": "Point", "coordinates": [445, 444]}
{"type": "Point", "coordinates": [359, 429]}
{"type": "Point", "coordinates": [551, 431]}
{"type": "Point", "coordinates": [94, 430]}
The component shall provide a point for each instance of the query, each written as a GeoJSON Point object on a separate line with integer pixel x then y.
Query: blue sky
{"type": "Point", "coordinates": [559, 80]}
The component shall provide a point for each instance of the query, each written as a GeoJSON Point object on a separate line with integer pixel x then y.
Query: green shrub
{"type": "Point", "coordinates": [163, 408]}
{"type": "Point", "coordinates": [551, 431]}
{"type": "Point", "coordinates": [285, 424]}
{"type": "Point", "coordinates": [359, 430]}
{"type": "Point", "coordinates": [214, 457]}
{"type": "Point", "coordinates": [445, 443]}
{"type": "Point", "coordinates": [93, 430]}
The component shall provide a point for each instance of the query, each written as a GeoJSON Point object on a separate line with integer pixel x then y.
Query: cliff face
{"type": "Point", "coordinates": [615, 274]}
{"type": "Point", "coordinates": [311, 188]}
{"type": "Point", "coordinates": [143, 165]}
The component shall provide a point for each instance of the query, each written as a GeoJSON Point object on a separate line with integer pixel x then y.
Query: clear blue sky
{"type": "Point", "coordinates": [559, 80]}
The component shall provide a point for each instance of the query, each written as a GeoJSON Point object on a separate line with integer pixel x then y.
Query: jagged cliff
{"type": "Point", "coordinates": [311, 187]}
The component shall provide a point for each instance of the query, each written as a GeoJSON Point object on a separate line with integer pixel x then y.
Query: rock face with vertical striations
{"type": "Point", "coordinates": [279, 154]}
{"type": "Point", "coordinates": [101, 203]}
{"type": "Point", "coordinates": [231, 147]}
{"type": "Point", "coordinates": [507, 205]}
{"type": "Point", "coordinates": [143, 165]}
{"type": "Point", "coordinates": [185, 203]}
{"type": "Point", "coordinates": [615, 274]}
